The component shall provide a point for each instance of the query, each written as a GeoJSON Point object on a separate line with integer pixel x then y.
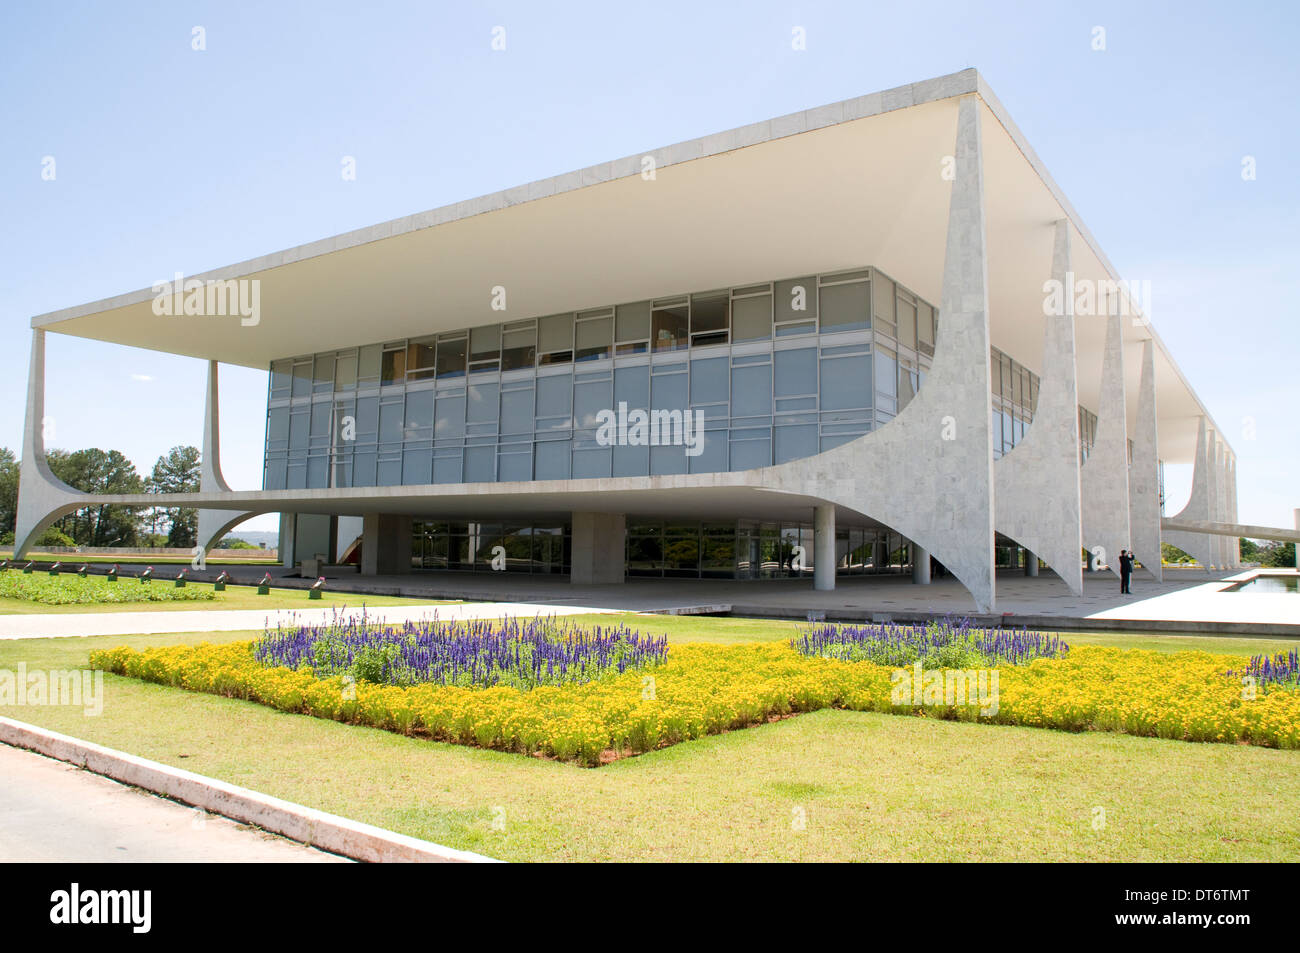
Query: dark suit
{"type": "Point", "coordinates": [1125, 572]}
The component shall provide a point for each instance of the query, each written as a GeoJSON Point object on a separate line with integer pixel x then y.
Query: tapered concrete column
{"type": "Point", "coordinates": [946, 505]}
{"type": "Point", "coordinates": [42, 497]}
{"type": "Point", "coordinates": [598, 548]}
{"type": "Point", "coordinates": [824, 547]}
{"type": "Point", "coordinates": [1031, 563]}
{"type": "Point", "coordinates": [1213, 458]}
{"type": "Point", "coordinates": [214, 524]}
{"type": "Point", "coordinates": [1234, 544]}
{"type": "Point", "coordinates": [385, 544]}
{"type": "Point", "coordinates": [1144, 472]}
{"type": "Point", "coordinates": [1221, 485]}
{"type": "Point", "coordinates": [1038, 489]}
{"type": "Point", "coordinates": [289, 542]}
{"type": "Point", "coordinates": [1104, 477]}
{"type": "Point", "coordinates": [920, 565]}
{"type": "Point", "coordinates": [1197, 545]}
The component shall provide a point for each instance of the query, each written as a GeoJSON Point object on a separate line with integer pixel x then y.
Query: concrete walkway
{"type": "Point", "coordinates": [51, 812]}
{"type": "Point", "coordinates": [59, 625]}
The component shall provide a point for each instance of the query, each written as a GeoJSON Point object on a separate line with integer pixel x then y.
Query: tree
{"type": "Point", "coordinates": [178, 471]}
{"type": "Point", "coordinates": [98, 471]}
{"type": "Point", "coordinates": [1278, 556]}
{"type": "Point", "coordinates": [8, 490]}
{"type": "Point", "coordinates": [1249, 551]}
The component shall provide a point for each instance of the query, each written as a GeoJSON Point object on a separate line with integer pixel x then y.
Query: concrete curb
{"type": "Point", "coordinates": [328, 832]}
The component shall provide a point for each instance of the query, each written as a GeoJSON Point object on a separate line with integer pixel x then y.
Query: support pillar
{"type": "Point", "coordinates": [1197, 545]}
{"type": "Point", "coordinates": [1038, 489]}
{"type": "Point", "coordinates": [1104, 477]}
{"type": "Point", "coordinates": [1144, 472]}
{"type": "Point", "coordinates": [42, 497]}
{"type": "Point", "coordinates": [1031, 563]}
{"type": "Point", "coordinates": [824, 547]}
{"type": "Point", "coordinates": [385, 544]}
{"type": "Point", "coordinates": [214, 524]}
{"type": "Point", "coordinates": [598, 548]}
{"type": "Point", "coordinates": [920, 565]}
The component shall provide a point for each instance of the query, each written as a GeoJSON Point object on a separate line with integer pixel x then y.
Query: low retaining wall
{"type": "Point", "coordinates": [328, 832]}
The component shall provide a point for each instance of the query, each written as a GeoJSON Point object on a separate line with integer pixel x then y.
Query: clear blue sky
{"type": "Point", "coordinates": [168, 159]}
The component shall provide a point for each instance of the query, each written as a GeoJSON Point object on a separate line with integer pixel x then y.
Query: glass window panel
{"type": "Point", "coordinates": [451, 357]}
{"type": "Point", "coordinates": [750, 454]}
{"type": "Point", "coordinates": [277, 428]}
{"type": "Point", "coordinates": [795, 372]}
{"type": "Point", "coordinates": [925, 324]}
{"type": "Point", "coordinates": [795, 300]}
{"type": "Point", "coordinates": [480, 464]}
{"type": "Point", "coordinates": [669, 327]}
{"type": "Point", "coordinates": [302, 378]}
{"type": "Point", "coordinates": [555, 333]}
{"type": "Point", "coordinates": [632, 386]}
{"type": "Point", "coordinates": [517, 411]}
{"type": "Point", "coordinates": [281, 378]}
{"type": "Point", "coordinates": [277, 469]}
{"type": "Point", "coordinates": [449, 417]}
{"type": "Point", "coordinates": [417, 467]}
{"type": "Point", "coordinates": [393, 367]}
{"type": "Point", "coordinates": [592, 463]}
{"type": "Point", "coordinates": [345, 372]}
{"type": "Point", "coordinates": [515, 466]}
{"type": "Point", "coordinates": [712, 457]}
{"type": "Point", "coordinates": [390, 421]}
{"type": "Point", "coordinates": [554, 396]}
{"type": "Point", "coordinates": [668, 460]}
{"type": "Point", "coordinates": [709, 381]}
{"type": "Point", "coordinates": [751, 318]}
{"type": "Point", "coordinates": [884, 293]}
{"type": "Point", "coordinates": [419, 415]}
{"type": "Point", "coordinates": [364, 466]}
{"type": "Point", "coordinates": [519, 349]}
{"type": "Point", "coordinates": [589, 399]}
{"type": "Point", "coordinates": [368, 361]}
{"type": "Point", "coordinates": [446, 469]}
{"type": "Point", "coordinates": [846, 307]}
{"type": "Point", "coordinates": [552, 458]}
{"type": "Point", "coordinates": [420, 355]}
{"type": "Point", "coordinates": [710, 318]}
{"type": "Point", "coordinates": [631, 461]}
{"type": "Point", "coordinates": [668, 391]}
{"type": "Point", "coordinates": [751, 390]}
{"type": "Point", "coordinates": [593, 339]}
{"type": "Point", "coordinates": [906, 323]}
{"type": "Point", "coordinates": [886, 373]}
{"type": "Point", "coordinates": [321, 411]}
{"type": "Point", "coordinates": [795, 443]}
{"type": "Point", "coordinates": [484, 406]}
{"type": "Point", "coordinates": [389, 471]}
{"type": "Point", "coordinates": [322, 375]}
{"type": "Point", "coordinates": [367, 419]}
{"type": "Point", "coordinates": [632, 322]}
{"type": "Point", "coordinates": [485, 343]}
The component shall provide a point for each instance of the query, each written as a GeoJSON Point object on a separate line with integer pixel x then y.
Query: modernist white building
{"type": "Point", "coordinates": [828, 344]}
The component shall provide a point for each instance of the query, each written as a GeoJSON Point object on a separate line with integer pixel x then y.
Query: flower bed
{"type": "Point", "coordinates": [947, 644]}
{"type": "Point", "coordinates": [706, 689]}
{"type": "Point", "coordinates": [94, 590]}
{"type": "Point", "coordinates": [483, 653]}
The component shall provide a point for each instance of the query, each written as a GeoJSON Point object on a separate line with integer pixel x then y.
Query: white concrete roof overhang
{"type": "Point", "coordinates": [841, 186]}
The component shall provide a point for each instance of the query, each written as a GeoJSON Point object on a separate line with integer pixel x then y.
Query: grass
{"type": "Point", "coordinates": [870, 787]}
{"type": "Point", "coordinates": [235, 597]}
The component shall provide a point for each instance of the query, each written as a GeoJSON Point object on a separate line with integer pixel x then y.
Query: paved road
{"type": "Point", "coordinates": [57, 625]}
{"type": "Point", "coordinates": [52, 811]}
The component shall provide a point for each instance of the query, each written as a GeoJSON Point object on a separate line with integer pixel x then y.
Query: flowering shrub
{"type": "Point", "coordinates": [944, 644]}
{"type": "Point", "coordinates": [1281, 670]}
{"type": "Point", "coordinates": [523, 653]}
{"type": "Point", "coordinates": [93, 590]}
{"type": "Point", "coordinates": [706, 689]}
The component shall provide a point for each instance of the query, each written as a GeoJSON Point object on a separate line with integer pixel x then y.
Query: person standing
{"type": "Point", "coordinates": [1125, 571]}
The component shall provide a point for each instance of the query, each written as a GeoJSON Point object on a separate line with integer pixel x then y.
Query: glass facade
{"type": "Point", "coordinates": [473, 546]}
{"type": "Point", "coordinates": [776, 371]}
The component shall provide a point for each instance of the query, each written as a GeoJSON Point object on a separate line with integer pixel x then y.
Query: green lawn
{"type": "Point", "coordinates": [868, 786]}
{"type": "Point", "coordinates": [235, 597]}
